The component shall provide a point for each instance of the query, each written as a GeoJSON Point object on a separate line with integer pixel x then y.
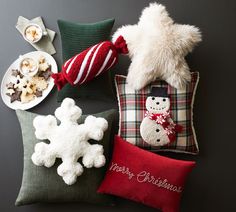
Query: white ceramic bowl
{"type": "Point", "coordinates": [29, 38]}
{"type": "Point", "coordinates": [9, 78]}
{"type": "Point", "coordinates": [31, 71]}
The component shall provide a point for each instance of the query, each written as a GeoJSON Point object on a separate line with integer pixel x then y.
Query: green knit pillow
{"type": "Point", "coordinates": [75, 38]}
{"type": "Point", "coordinates": [41, 184]}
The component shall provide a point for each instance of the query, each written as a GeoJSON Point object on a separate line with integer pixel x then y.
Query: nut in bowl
{"type": "Point", "coordinates": [28, 67]}
{"type": "Point", "coordinates": [33, 33]}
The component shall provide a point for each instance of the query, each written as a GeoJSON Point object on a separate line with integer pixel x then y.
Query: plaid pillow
{"type": "Point", "coordinates": [132, 110]}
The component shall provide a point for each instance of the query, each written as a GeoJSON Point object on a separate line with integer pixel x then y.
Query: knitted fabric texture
{"type": "Point", "coordinates": [90, 63]}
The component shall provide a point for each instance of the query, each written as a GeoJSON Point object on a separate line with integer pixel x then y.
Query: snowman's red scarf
{"type": "Point", "coordinates": [164, 120]}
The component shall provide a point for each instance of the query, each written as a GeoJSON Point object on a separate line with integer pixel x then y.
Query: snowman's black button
{"type": "Point", "coordinates": [158, 140]}
{"type": "Point", "coordinates": [153, 98]}
{"type": "Point", "coordinates": [157, 130]}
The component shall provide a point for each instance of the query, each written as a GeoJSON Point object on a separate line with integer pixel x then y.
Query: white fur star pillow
{"type": "Point", "coordinates": [157, 47]}
{"type": "Point", "coordinates": [69, 141]}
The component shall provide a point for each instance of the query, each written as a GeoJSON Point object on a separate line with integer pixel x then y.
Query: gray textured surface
{"type": "Point", "coordinates": [211, 186]}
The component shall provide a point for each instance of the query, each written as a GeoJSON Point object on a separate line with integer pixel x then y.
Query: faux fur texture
{"type": "Point", "coordinates": [69, 141]}
{"type": "Point", "coordinates": [157, 47]}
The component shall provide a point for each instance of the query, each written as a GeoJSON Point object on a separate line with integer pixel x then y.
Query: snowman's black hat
{"type": "Point", "coordinates": [159, 92]}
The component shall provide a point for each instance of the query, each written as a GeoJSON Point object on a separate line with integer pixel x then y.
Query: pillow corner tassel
{"type": "Point", "coordinates": [121, 45]}
{"type": "Point", "coordinates": [59, 80]}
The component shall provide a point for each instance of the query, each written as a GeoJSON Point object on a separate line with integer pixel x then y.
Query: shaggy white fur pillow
{"type": "Point", "coordinates": [69, 141]}
{"type": "Point", "coordinates": [157, 47]}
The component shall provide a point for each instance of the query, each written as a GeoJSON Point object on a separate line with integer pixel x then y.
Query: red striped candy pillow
{"type": "Point", "coordinates": [90, 63]}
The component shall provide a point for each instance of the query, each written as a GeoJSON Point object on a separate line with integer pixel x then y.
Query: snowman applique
{"type": "Point", "coordinates": [157, 127]}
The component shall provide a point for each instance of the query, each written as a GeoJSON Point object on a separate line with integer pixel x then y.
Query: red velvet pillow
{"type": "Point", "coordinates": [145, 177]}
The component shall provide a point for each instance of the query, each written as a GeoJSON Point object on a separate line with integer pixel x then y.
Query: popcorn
{"type": "Point", "coordinates": [28, 65]}
{"type": "Point", "coordinates": [33, 33]}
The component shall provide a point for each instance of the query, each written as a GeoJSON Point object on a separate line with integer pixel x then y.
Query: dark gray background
{"type": "Point", "coordinates": [211, 186]}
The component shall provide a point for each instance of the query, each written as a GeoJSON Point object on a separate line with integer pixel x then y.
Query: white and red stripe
{"type": "Point", "coordinates": [90, 63]}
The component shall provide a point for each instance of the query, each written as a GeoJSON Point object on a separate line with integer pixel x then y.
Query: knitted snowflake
{"type": "Point", "coordinates": [69, 141]}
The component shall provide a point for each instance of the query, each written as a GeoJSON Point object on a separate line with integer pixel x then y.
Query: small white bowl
{"type": "Point", "coordinates": [39, 31]}
{"type": "Point", "coordinates": [29, 72]}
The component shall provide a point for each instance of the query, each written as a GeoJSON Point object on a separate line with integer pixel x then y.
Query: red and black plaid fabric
{"type": "Point", "coordinates": [132, 111]}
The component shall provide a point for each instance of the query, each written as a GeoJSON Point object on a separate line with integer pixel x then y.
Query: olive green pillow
{"type": "Point", "coordinates": [75, 38]}
{"type": "Point", "coordinates": [41, 184]}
